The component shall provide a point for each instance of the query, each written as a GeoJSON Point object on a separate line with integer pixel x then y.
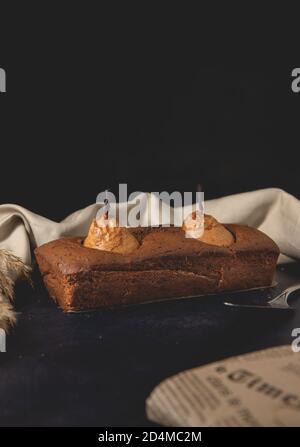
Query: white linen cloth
{"type": "Point", "coordinates": [272, 210]}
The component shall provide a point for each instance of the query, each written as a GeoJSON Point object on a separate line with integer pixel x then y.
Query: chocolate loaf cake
{"type": "Point", "coordinates": [164, 264]}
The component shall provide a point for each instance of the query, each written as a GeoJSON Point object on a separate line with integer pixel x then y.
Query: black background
{"type": "Point", "coordinates": [156, 100]}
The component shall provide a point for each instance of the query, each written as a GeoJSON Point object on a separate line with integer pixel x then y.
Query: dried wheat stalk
{"type": "Point", "coordinates": [11, 269]}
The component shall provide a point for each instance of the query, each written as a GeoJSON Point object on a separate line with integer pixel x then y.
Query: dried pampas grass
{"type": "Point", "coordinates": [12, 268]}
{"type": "Point", "coordinates": [7, 314]}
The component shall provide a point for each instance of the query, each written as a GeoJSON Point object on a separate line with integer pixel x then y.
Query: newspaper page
{"type": "Point", "coordinates": [260, 389]}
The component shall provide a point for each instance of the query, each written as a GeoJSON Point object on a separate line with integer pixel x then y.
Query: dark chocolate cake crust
{"type": "Point", "coordinates": [165, 265]}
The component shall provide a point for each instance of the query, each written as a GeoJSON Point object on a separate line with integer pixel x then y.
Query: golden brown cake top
{"type": "Point", "coordinates": [70, 255]}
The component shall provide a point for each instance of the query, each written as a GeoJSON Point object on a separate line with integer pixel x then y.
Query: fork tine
{"type": "Point", "coordinates": [279, 302]}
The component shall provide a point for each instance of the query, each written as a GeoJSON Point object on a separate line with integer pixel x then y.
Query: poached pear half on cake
{"type": "Point", "coordinates": [105, 234]}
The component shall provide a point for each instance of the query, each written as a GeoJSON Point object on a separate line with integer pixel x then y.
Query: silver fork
{"type": "Point", "coordinates": [279, 302]}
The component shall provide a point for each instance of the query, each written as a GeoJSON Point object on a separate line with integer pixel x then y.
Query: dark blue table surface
{"type": "Point", "coordinates": [97, 368]}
